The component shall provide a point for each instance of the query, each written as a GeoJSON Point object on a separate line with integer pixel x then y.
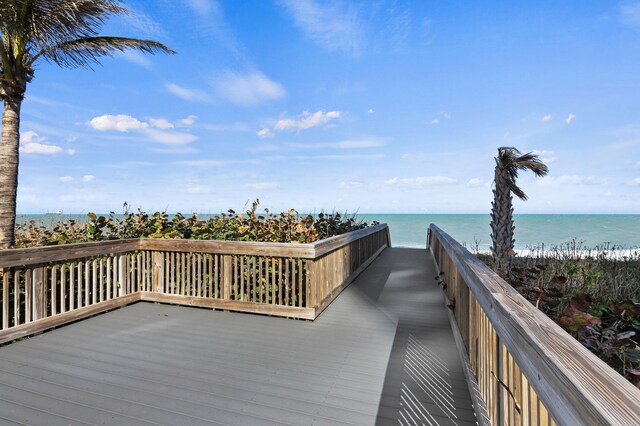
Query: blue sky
{"type": "Point", "coordinates": [377, 106]}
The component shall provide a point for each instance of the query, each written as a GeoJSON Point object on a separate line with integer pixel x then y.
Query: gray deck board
{"type": "Point", "coordinates": [382, 353]}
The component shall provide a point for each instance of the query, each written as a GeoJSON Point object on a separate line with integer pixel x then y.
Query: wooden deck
{"type": "Point", "coordinates": [382, 353]}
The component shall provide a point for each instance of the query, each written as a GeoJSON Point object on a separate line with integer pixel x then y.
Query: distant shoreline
{"type": "Point", "coordinates": [473, 230]}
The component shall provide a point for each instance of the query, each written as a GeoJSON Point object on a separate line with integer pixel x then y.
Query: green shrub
{"type": "Point", "coordinates": [592, 294]}
{"type": "Point", "coordinates": [286, 227]}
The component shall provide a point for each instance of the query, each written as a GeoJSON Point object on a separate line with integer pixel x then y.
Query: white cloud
{"type": "Point", "coordinates": [331, 25]}
{"type": "Point", "coordinates": [635, 182]}
{"type": "Point", "coordinates": [88, 178]}
{"type": "Point", "coordinates": [475, 182]}
{"type": "Point", "coordinates": [565, 180]}
{"type": "Point", "coordinates": [202, 7]}
{"type": "Point", "coordinates": [307, 120]}
{"type": "Point", "coordinates": [204, 163]}
{"type": "Point", "coordinates": [546, 117]}
{"type": "Point", "coordinates": [263, 185]}
{"type": "Point", "coordinates": [187, 121]}
{"type": "Point", "coordinates": [71, 151]}
{"type": "Point", "coordinates": [360, 143]}
{"type": "Point", "coordinates": [421, 181]}
{"type": "Point", "coordinates": [442, 115]}
{"type": "Point", "coordinates": [32, 143]}
{"type": "Point", "coordinates": [546, 156]}
{"type": "Point", "coordinates": [187, 94]}
{"type": "Point", "coordinates": [160, 123]}
{"type": "Point", "coordinates": [125, 123]}
{"type": "Point", "coordinates": [65, 178]}
{"type": "Point", "coordinates": [119, 122]}
{"type": "Point", "coordinates": [370, 111]}
{"type": "Point", "coordinates": [569, 118]}
{"type": "Point", "coordinates": [630, 14]}
{"type": "Point", "coordinates": [264, 133]}
{"type": "Point", "coordinates": [196, 188]}
{"type": "Point", "coordinates": [248, 90]}
{"type": "Point", "coordinates": [351, 184]}
{"type": "Point", "coordinates": [169, 138]}
{"type": "Point", "coordinates": [413, 157]}
{"type": "Point", "coordinates": [137, 58]}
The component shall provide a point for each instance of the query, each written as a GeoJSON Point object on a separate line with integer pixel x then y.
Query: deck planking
{"type": "Point", "coordinates": [381, 353]}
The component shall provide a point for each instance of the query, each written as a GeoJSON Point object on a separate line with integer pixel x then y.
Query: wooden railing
{"type": "Point", "coordinates": [45, 287]}
{"type": "Point", "coordinates": [529, 371]}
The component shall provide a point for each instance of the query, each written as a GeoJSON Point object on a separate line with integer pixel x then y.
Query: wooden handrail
{"type": "Point", "coordinates": [40, 255]}
{"type": "Point", "coordinates": [574, 385]}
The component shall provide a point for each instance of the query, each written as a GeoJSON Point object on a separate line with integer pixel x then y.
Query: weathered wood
{"type": "Point", "coordinates": [226, 277]}
{"type": "Point", "coordinates": [231, 305]}
{"type": "Point", "coordinates": [65, 318]}
{"type": "Point", "coordinates": [158, 272]}
{"type": "Point", "coordinates": [326, 301]}
{"type": "Point", "coordinates": [41, 255]}
{"type": "Point", "coordinates": [575, 385]}
{"type": "Point", "coordinates": [5, 299]}
{"type": "Point", "coordinates": [332, 243]}
{"type": "Point", "coordinates": [248, 248]}
{"type": "Point", "coordinates": [39, 292]}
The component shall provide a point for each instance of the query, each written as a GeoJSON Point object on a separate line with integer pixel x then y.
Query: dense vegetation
{"type": "Point", "coordinates": [593, 294]}
{"type": "Point", "coordinates": [285, 227]}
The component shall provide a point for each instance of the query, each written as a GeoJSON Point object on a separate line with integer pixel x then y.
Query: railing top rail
{"type": "Point", "coordinates": [40, 255]}
{"type": "Point", "coordinates": [249, 248]}
{"type": "Point", "coordinates": [575, 385]}
{"type": "Point", "coordinates": [327, 245]}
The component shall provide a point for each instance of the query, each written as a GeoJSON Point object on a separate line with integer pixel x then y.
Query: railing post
{"type": "Point", "coordinates": [311, 284]}
{"type": "Point", "coordinates": [157, 273]}
{"type": "Point", "coordinates": [39, 307]}
{"type": "Point", "coordinates": [226, 276]}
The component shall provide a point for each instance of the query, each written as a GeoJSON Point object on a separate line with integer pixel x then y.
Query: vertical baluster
{"type": "Point", "coordinates": [94, 282]}
{"type": "Point", "coordinates": [300, 281]}
{"type": "Point", "coordinates": [28, 287]}
{"type": "Point", "coordinates": [63, 288]}
{"type": "Point", "coordinates": [285, 284]}
{"type": "Point", "coordinates": [110, 273]}
{"type": "Point", "coordinates": [199, 274]}
{"type": "Point", "coordinates": [87, 282]}
{"type": "Point", "coordinates": [16, 297]}
{"type": "Point", "coordinates": [5, 299]}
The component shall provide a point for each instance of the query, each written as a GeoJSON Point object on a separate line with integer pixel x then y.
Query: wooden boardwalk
{"type": "Point", "coordinates": [381, 353]}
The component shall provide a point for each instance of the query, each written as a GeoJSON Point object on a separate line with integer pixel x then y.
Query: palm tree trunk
{"type": "Point", "coordinates": [502, 227]}
{"type": "Point", "coordinates": [9, 170]}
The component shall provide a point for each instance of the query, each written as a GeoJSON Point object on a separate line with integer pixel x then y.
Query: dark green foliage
{"type": "Point", "coordinates": [286, 227]}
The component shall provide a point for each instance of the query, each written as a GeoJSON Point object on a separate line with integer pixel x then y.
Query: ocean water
{"type": "Point", "coordinates": [532, 230]}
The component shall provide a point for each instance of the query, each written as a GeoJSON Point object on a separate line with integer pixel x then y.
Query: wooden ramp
{"type": "Point", "coordinates": [381, 353]}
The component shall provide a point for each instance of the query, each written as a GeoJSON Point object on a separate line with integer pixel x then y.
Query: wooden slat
{"type": "Point", "coordinates": [39, 292]}
{"type": "Point", "coordinates": [41, 255]}
{"type": "Point", "coordinates": [5, 298]}
{"type": "Point", "coordinates": [248, 248]}
{"type": "Point", "coordinates": [28, 296]}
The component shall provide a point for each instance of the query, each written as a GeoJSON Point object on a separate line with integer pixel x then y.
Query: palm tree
{"type": "Point", "coordinates": [508, 163]}
{"type": "Point", "coordinates": [65, 32]}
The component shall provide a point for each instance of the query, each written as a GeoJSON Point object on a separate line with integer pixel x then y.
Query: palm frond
{"type": "Point", "coordinates": [86, 51]}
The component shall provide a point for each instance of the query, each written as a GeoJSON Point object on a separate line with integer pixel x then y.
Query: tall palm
{"type": "Point", "coordinates": [65, 32]}
{"type": "Point", "coordinates": [508, 163]}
